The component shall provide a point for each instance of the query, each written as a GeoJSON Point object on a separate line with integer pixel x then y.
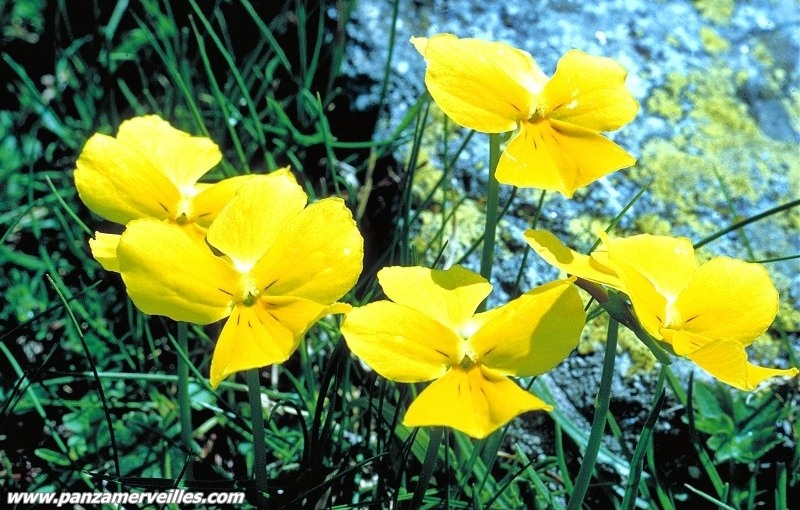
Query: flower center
{"type": "Point", "coordinates": [249, 292]}
{"type": "Point", "coordinates": [183, 211]}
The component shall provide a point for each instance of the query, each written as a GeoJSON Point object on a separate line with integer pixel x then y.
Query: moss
{"type": "Point", "coordinates": [712, 41]}
{"type": "Point", "coordinates": [718, 11]}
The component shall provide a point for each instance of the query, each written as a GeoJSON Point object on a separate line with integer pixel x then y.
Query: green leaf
{"type": "Point", "coordinates": [53, 457]}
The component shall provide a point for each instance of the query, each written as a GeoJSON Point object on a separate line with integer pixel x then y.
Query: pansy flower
{"type": "Point", "coordinates": [493, 88]}
{"type": "Point", "coordinates": [429, 331]}
{"type": "Point", "coordinates": [705, 312]}
{"type": "Point", "coordinates": [269, 264]}
{"type": "Point", "coordinates": [149, 170]}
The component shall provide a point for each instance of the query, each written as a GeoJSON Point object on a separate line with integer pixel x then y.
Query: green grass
{"type": "Point", "coordinates": [89, 385]}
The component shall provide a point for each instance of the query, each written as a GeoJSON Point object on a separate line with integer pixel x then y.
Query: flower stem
{"type": "Point", "coordinates": [492, 202]}
{"type": "Point", "coordinates": [184, 400]}
{"type": "Point", "coordinates": [599, 420]}
{"type": "Point", "coordinates": [428, 466]}
{"type": "Point", "coordinates": [259, 443]}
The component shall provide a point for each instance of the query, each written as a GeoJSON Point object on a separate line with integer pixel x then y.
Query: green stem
{"type": "Point", "coordinates": [259, 443]}
{"type": "Point", "coordinates": [492, 202]}
{"type": "Point", "coordinates": [184, 400]}
{"type": "Point", "coordinates": [747, 221]}
{"type": "Point", "coordinates": [637, 460]}
{"type": "Point", "coordinates": [619, 309]}
{"type": "Point", "coordinates": [599, 420]}
{"type": "Point", "coordinates": [428, 466]}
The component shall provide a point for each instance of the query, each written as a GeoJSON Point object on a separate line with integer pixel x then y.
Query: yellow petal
{"type": "Point", "coordinates": [450, 296]}
{"type": "Point", "coordinates": [181, 157]}
{"type": "Point", "coordinates": [207, 204]}
{"type": "Point", "coordinates": [169, 272]}
{"type": "Point", "coordinates": [590, 92]}
{"type": "Point", "coordinates": [550, 248]}
{"type": "Point", "coordinates": [481, 85]}
{"type": "Point", "coordinates": [667, 262]}
{"type": "Point", "coordinates": [120, 184]}
{"type": "Point", "coordinates": [728, 299]}
{"type": "Point", "coordinates": [476, 401]}
{"type": "Point", "coordinates": [295, 314]}
{"type": "Point", "coordinates": [104, 250]}
{"type": "Point", "coordinates": [555, 155]}
{"type": "Point", "coordinates": [255, 217]}
{"type": "Point", "coordinates": [654, 270]}
{"type": "Point", "coordinates": [318, 254]}
{"type": "Point", "coordinates": [684, 342]}
{"type": "Point", "coordinates": [533, 333]}
{"type": "Point", "coordinates": [727, 361]}
{"type": "Point", "coordinates": [400, 343]}
{"type": "Point", "coordinates": [251, 338]}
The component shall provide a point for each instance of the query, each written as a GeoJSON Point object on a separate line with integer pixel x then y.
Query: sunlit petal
{"type": "Point", "coordinates": [119, 184]}
{"type": "Point", "coordinates": [654, 270]}
{"type": "Point", "coordinates": [249, 339]}
{"type": "Point", "coordinates": [728, 299]}
{"type": "Point", "coordinates": [589, 91]}
{"type": "Point", "coordinates": [251, 222]}
{"type": "Point", "coordinates": [534, 332]}
{"type": "Point", "coordinates": [169, 272]}
{"type": "Point", "coordinates": [450, 296]}
{"type": "Point", "coordinates": [727, 361]}
{"type": "Point", "coordinates": [213, 197]}
{"type": "Point", "coordinates": [476, 401]}
{"type": "Point", "coordinates": [553, 251]}
{"type": "Point", "coordinates": [555, 155]}
{"type": "Point", "coordinates": [181, 157]}
{"type": "Point", "coordinates": [295, 314]}
{"type": "Point", "coordinates": [667, 262]}
{"type": "Point", "coordinates": [104, 250]}
{"type": "Point", "coordinates": [318, 254]}
{"type": "Point", "coordinates": [482, 85]}
{"type": "Point", "coordinates": [400, 343]}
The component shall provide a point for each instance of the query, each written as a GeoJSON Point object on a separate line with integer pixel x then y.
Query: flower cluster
{"type": "Point", "coordinates": [707, 312]}
{"type": "Point", "coordinates": [246, 248]}
{"type": "Point", "coordinates": [250, 250]}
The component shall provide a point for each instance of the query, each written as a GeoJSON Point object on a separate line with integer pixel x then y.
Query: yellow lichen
{"type": "Point", "coordinates": [712, 41]}
{"type": "Point", "coordinates": [718, 11]}
{"type": "Point", "coordinates": [667, 100]}
{"type": "Point", "coordinates": [665, 104]}
{"type": "Point", "coordinates": [653, 224]}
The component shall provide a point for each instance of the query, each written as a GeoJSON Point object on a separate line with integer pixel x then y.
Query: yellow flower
{"type": "Point", "coordinates": [706, 312]}
{"type": "Point", "coordinates": [150, 170]}
{"type": "Point", "coordinates": [493, 88]}
{"type": "Point", "coordinates": [430, 331]}
{"type": "Point", "coordinates": [270, 264]}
